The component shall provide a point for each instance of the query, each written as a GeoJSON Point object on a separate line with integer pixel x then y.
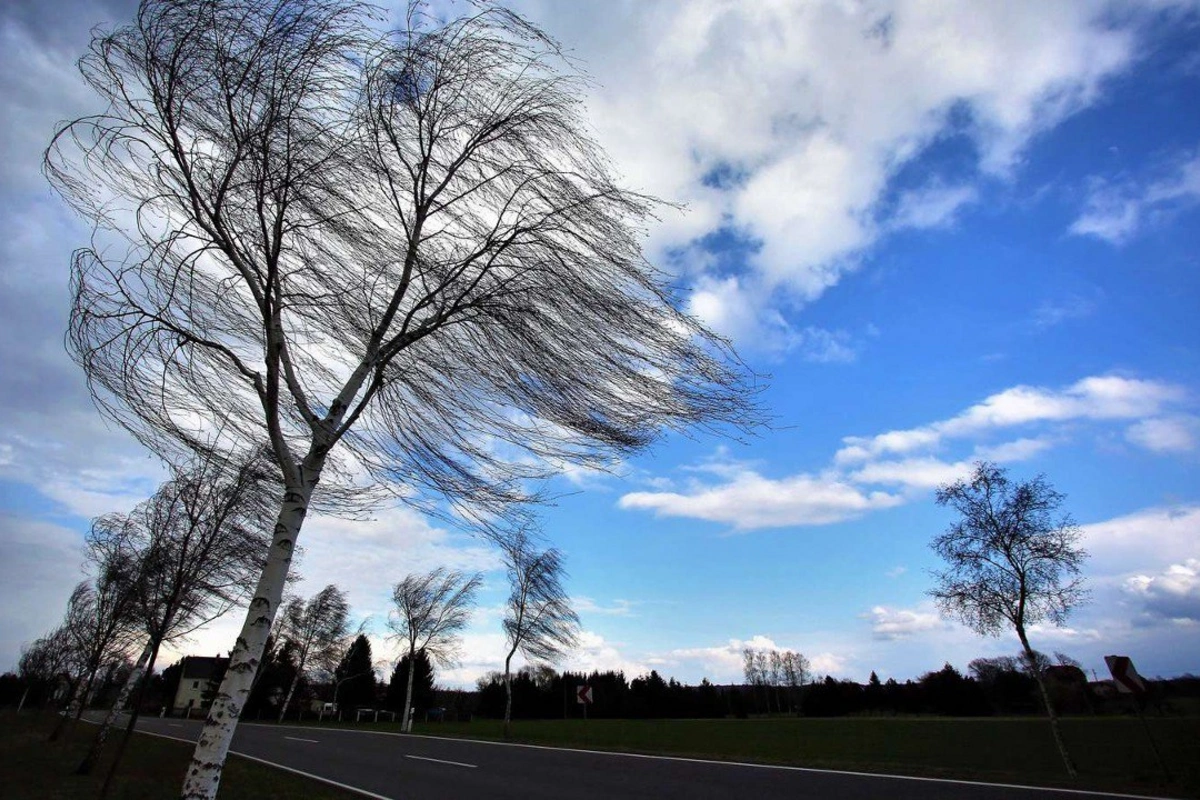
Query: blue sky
{"type": "Point", "coordinates": [947, 232]}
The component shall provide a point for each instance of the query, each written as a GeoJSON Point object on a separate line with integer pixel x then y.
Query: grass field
{"type": "Point", "coordinates": [153, 768]}
{"type": "Point", "coordinates": [1112, 753]}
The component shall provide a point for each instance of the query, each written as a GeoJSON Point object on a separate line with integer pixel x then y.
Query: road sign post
{"type": "Point", "coordinates": [1129, 682]}
{"type": "Point", "coordinates": [583, 696]}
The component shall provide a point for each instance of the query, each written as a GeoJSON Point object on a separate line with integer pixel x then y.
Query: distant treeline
{"type": "Point", "coordinates": [997, 686]}
{"type": "Point", "coordinates": [994, 688]}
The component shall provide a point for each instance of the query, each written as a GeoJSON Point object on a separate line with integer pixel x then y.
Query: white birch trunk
{"type": "Point", "coordinates": [1059, 742]}
{"type": "Point", "coordinates": [508, 694]}
{"type": "Point", "coordinates": [412, 668]}
{"type": "Point", "coordinates": [204, 773]}
{"type": "Point", "coordinates": [89, 761]}
{"type": "Point", "coordinates": [292, 688]}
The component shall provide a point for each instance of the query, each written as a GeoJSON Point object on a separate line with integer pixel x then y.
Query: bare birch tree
{"type": "Point", "coordinates": [317, 629]}
{"type": "Point", "coordinates": [44, 664]}
{"type": "Point", "coordinates": [98, 624]}
{"type": "Point", "coordinates": [399, 256]}
{"type": "Point", "coordinates": [1012, 561]}
{"type": "Point", "coordinates": [194, 548]}
{"type": "Point", "coordinates": [538, 618]}
{"type": "Point", "coordinates": [429, 612]}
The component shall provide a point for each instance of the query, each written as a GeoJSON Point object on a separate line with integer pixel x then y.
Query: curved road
{"type": "Point", "coordinates": [393, 766]}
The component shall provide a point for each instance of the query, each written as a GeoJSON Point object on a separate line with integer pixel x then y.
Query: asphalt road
{"type": "Point", "coordinates": [404, 767]}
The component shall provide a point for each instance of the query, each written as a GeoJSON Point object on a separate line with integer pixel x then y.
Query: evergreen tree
{"type": "Point", "coordinates": [423, 692]}
{"type": "Point", "coordinates": [354, 678]}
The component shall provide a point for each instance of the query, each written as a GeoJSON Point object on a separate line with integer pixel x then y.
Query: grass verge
{"type": "Point", "coordinates": [153, 768]}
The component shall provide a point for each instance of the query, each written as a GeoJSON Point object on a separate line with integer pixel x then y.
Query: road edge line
{"type": "Point", "coordinates": [718, 762]}
{"type": "Point", "coordinates": [329, 781]}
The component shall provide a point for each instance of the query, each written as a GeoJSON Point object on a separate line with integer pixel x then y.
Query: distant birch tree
{"type": "Point", "coordinates": [194, 550]}
{"type": "Point", "coordinates": [1012, 560]}
{"type": "Point", "coordinates": [397, 256]}
{"type": "Point", "coordinates": [429, 611]}
{"type": "Point", "coordinates": [97, 624]}
{"type": "Point", "coordinates": [538, 619]}
{"type": "Point", "coordinates": [317, 629]}
{"type": "Point", "coordinates": [44, 664]}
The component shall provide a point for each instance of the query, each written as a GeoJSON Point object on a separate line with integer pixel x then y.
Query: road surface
{"type": "Point", "coordinates": [396, 766]}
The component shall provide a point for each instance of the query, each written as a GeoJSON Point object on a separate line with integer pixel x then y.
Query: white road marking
{"type": "Point", "coordinates": [174, 725]}
{"type": "Point", "coordinates": [302, 773]}
{"type": "Point", "coordinates": [443, 761]}
{"type": "Point", "coordinates": [298, 739]}
{"type": "Point", "coordinates": [714, 762]}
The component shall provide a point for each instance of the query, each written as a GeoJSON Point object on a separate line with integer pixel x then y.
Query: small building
{"type": "Point", "coordinates": [199, 678]}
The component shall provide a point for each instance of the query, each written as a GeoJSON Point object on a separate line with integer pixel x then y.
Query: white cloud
{"type": "Point", "coordinates": [1173, 434]}
{"type": "Point", "coordinates": [723, 664]}
{"type": "Point", "coordinates": [366, 559]}
{"type": "Point", "coordinates": [39, 565]}
{"type": "Point", "coordinates": [932, 207]}
{"type": "Point", "coordinates": [586, 605]}
{"type": "Point", "coordinates": [905, 458]}
{"type": "Point", "coordinates": [1116, 211]}
{"type": "Point", "coordinates": [916, 473]}
{"type": "Point", "coordinates": [899, 623]}
{"type": "Point", "coordinates": [1144, 540]}
{"type": "Point", "coordinates": [752, 501]}
{"type": "Point", "coordinates": [1107, 397]}
{"type": "Point", "coordinates": [1173, 594]}
{"type": "Point", "coordinates": [787, 123]}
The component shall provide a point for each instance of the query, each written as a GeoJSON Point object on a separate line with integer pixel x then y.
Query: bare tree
{"type": "Point", "coordinates": [44, 664]}
{"type": "Point", "coordinates": [1012, 561]}
{"type": "Point", "coordinates": [398, 256]}
{"type": "Point", "coordinates": [98, 624]}
{"type": "Point", "coordinates": [194, 549]}
{"type": "Point", "coordinates": [430, 610]}
{"type": "Point", "coordinates": [538, 618]}
{"type": "Point", "coordinates": [317, 629]}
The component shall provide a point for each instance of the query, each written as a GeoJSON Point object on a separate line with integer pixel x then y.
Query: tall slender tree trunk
{"type": "Point", "coordinates": [508, 695]}
{"type": "Point", "coordinates": [292, 688]}
{"type": "Point", "coordinates": [24, 695]}
{"type": "Point", "coordinates": [89, 761]}
{"type": "Point", "coordinates": [406, 726]}
{"type": "Point", "coordinates": [134, 712]}
{"type": "Point", "coordinates": [1041, 682]}
{"type": "Point", "coordinates": [66, 714]}
{"type": "Point", "coordinates": [204, 773]}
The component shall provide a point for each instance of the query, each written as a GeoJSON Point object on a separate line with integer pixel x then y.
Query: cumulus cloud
{"type": "Point", "coordinates": [1144, 540]}
{"type": "Point", "coordinates": [832, 101]}
{"type": "Point", "coordinates": [722, 663]}
{"type": "Point", "coordinates": [899, 623]}
{"type": "Point", "coordinates": [1173, 594]}
{"type": "Point", "coordinates": [1116, 211]}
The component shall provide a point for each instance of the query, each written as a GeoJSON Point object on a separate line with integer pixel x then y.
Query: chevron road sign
{"type": "Point", "coordinates": [1124, 675]}
{"type": "Point", "coordinates": [583, 694]}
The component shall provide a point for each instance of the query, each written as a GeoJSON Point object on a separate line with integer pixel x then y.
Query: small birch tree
{"type": "Point", "coordinates": [538, 619]}
{"type": "Point", "coordinates": [317, 629]}
{"type": "Point", "coordinates": [1012, 561]}
{"type": "Point", "coordinates": [194, 549]}
{"type": "Point", "coordinates": [429, 612]}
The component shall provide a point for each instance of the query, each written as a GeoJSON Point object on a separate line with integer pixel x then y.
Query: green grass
{"type": "Point", "coordinates": [1112, 752]}
{"type": "Point", "coordinates": [153, 768]}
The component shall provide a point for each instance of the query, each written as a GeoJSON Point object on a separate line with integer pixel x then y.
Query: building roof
{"type": "Point", "coordinates": [202, 667]}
